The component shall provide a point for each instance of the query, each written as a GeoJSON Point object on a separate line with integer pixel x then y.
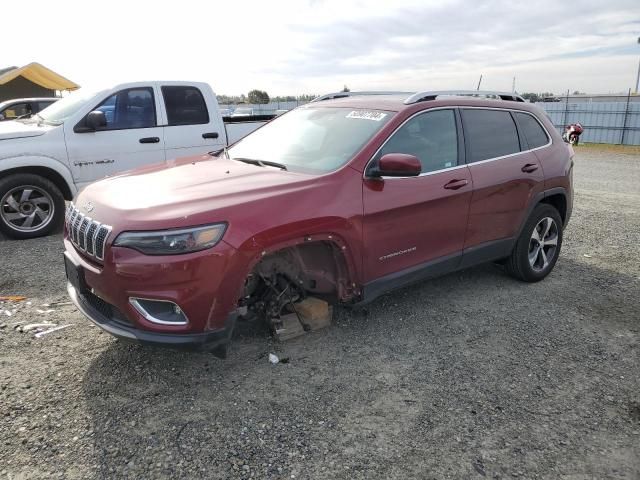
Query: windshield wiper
{"type": "Point", "coordinates": [260, 163]}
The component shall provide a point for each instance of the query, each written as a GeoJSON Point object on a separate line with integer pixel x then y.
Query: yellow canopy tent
{"type": "Point", "coordinates": [41, 75]}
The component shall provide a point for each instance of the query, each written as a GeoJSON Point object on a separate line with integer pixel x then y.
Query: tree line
{"type": "Point", "coordinates": [539, 97]}
{"type": "Point", "coordinates": [257, 97]}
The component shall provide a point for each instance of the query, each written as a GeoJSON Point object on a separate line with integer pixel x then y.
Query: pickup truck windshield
{"type": "Point", "coordinates": [58, 112]}
{"type": "Point", "coordinates": [313, 140]}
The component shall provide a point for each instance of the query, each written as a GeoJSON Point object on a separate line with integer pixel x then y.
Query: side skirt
{"type": "Point", "coordinates": [393, 281]}
{"type": "Point", "coordinates": [487, 252]}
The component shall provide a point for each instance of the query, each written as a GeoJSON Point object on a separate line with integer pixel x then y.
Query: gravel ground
{"type": "Point", "coordinates": [471, 375]}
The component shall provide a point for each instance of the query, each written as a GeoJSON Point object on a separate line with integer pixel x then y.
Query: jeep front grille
{"type": "Point", "coordinates": [85, 233]}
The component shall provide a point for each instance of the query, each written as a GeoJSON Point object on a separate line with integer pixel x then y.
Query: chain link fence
{"type": "Point", "coordinates": [266, 108]}
{"type": "Point", "coordinates": [604, 122]}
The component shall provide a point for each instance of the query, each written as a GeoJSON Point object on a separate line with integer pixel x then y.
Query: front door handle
{"type": "Point", "coordinates": [530, 167]}
{"type": "Point", "coordinates": [456, 184]}
{"type": "Point", "coordinates": [210, 135]}
{"type": "Point", "coordinates": [150, 140]}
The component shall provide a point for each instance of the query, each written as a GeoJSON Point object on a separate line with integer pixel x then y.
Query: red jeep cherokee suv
{"type": "Point", "coordinates": [343, 199]}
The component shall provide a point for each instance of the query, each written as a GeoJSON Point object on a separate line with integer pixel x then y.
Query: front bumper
{"type": "Point", "coordinates": [199, 283]}
{"type": "Point", "coordinates": [210, 340]}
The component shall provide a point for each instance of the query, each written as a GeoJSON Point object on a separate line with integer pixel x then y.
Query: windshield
{"type": "Point", "coordinates": [58, 112]}
{"type": "Point", "coordinates": [314, 140]}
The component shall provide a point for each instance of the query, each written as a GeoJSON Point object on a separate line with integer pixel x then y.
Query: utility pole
{"type": "Point", "coordinates": [513, 85]}
{"type": "Point", "coordinates": [479, 82]}
{"type": "Point", "coordinates": [638, 75]}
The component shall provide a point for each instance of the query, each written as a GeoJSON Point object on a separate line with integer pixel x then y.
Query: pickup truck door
{"type": "Point", "coordinates": [415, 226]}
{"type": "Point", "coordinates": [193, 123]}
{"type": "Point", "coordinates": [130, 139]}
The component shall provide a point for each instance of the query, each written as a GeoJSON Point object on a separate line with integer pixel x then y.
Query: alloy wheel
{"type": "Point", "coordinates": [543, 244]}
{"type": "Point", "coordinates": [27, 208]}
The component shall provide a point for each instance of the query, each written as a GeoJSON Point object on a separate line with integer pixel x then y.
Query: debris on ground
{"type": "Point", "coordinates": [273, 359]}
{"type": "Point", "coordinates": [34, 326]}
{"type": "Point", "coordinates": [55, 329]}
{"type": "Point", "coordinates": [308, 315]}
{"type": "Point", "coordinates": [29, 318]}
{"type": "Point", "coordinates": [289, 327]}
{"type": "Point", "coordinates": [314, 313]}
{"type": "Point", "coordinates": [58, 304]}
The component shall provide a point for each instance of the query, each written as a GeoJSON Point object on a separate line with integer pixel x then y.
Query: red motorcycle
{"type": "Point", "coordinates": [572, 133]}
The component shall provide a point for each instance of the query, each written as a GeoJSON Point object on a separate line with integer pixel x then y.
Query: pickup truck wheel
{"type": "Point", "coordinates": [30, 206]}
{"type": "Point", "coordinates": [536, 251]}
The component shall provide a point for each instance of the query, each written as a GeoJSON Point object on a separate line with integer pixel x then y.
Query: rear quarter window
{"type": "Point", "coordinates": [489, 134]}
{"type": "Point", "coordinates": [532, 130]}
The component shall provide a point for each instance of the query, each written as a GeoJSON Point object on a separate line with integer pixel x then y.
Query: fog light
{"type": "Point", "coordinates": [162, 312]}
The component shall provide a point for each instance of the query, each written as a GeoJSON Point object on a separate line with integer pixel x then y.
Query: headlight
{"type": "Point", "coordinates": [170, 242]}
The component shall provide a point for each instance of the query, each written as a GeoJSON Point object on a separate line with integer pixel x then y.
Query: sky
{"type": "Point", "coordinates": [294, 47]}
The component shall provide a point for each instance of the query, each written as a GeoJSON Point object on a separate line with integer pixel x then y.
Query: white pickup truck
{"type": "Point", "coordinates": [86, 136]}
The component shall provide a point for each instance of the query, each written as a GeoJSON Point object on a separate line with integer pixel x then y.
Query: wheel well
{"type": "Point", "coordinates": [559, 202]}
{"type": "Point", "coordinates": [47, 173]}
{"type": "Point", "coordinates": [318, 268]}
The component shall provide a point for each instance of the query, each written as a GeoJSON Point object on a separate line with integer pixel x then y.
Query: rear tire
{"type": "Point", "coordinates": [538, 247]}
{"type": "Point", "coordinates": [30, 206]}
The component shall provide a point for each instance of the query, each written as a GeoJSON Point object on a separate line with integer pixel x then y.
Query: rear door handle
{"type": "Point", "coordinates": [456, 184]}
{"type": "Point", "coordinates": [210, 135]}
{"type": "Point", "coordinates": [530, 167]}
{"type": "Point", "coordinates": [150, 140]}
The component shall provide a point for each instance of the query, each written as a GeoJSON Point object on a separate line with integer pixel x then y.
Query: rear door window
{"type": "Point", "coordinates": [532, 130]}
{"type": "Point", "coordinates": [431, 136]}
{"type": "Point", "coordinates": [185, 105]}
{"type": "Point", "coordinates": [489, 134]}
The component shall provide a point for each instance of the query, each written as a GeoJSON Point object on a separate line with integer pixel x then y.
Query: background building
{"type": "Point", "coordinates": [33, 80]}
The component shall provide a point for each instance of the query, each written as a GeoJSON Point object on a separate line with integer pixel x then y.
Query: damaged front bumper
{"type": "Point", "coordinates": [107, 318]}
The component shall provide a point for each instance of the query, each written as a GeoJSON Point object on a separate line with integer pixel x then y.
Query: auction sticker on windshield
{"type": "Point", "coordinates": [367, 115]}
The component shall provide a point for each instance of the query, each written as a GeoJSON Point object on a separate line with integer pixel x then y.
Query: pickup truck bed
{"type": "Point", "coordinates": [237, 128]}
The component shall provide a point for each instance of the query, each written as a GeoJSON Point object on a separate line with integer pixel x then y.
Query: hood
{"type": "Point", "coordinates": [185, 192]}
{"type": "Point", "coordinates": [13, 129]}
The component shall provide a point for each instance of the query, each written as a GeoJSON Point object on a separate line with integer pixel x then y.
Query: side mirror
{"type": "Point", "coordinates": [397, 165]}
{"type": "Point", "coordinates": [96, 120]}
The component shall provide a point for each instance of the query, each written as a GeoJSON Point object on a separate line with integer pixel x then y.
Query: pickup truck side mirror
{"type": "Point", "coordinates": [96, 120]}
{"type": "Point", "coordinates": [396, 165]}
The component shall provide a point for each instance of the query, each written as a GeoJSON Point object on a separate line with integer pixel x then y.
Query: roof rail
{"type": "Point", "coordinates": [426, 96]}
{"type": "Point", "coordinates": [331, 96]}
